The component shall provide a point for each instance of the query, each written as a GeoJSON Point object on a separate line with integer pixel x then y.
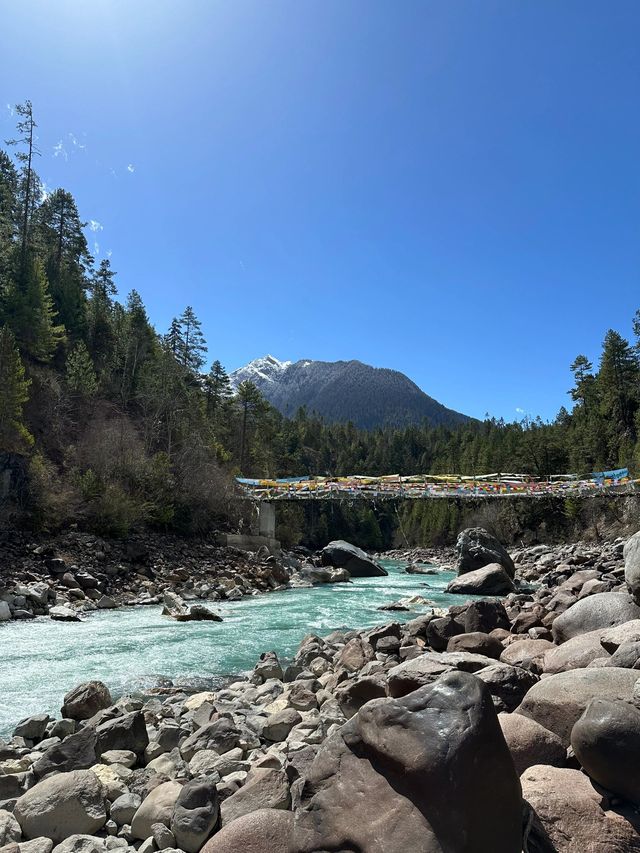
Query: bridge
{"type": "Point", "coordinates": [420, 486]}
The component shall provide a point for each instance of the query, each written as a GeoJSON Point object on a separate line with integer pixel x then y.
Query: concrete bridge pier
{"type": "Point", "coordinates": [263, 531]}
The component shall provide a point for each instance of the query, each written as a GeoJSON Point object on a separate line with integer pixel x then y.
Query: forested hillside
{"type": "Point", "coordinates": [112, 424]}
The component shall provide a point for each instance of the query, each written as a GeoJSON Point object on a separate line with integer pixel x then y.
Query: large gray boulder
{"type": "Point", "coordinates": [428, 772]}
{"type": "Point", "coordinates": [128, 731]}
{"type": "Point", "coordinates": [613, 638]}
{"type": "Point", "coordinates": [632, 565]}
{"type": "Point", "coordinates": [85, 700]}
{"type": "Point", "coordinates": [602, 610]}
{"type": "Point", "coordinates": [491, 579]}
{"type": "Point", "coordinates": [265, 788]}
{"type": "Point", "coordinates": [576, 653]}
{"type": "Point", "coordinates": [606, 742]}
{"type": "Point", "coordinates": [558, 702]}
{"type": "Point", "coordinates": [476, 548]}
{"type": "Point", "coordinates": [343, 555]}
{"type": "Point", "coordinates": [530, 743]}
{"type": "Point", "coordinates": [195, 815]}
{"type": "Point", "coordinates": [157, 807]}
{"type": "Point", "coordinates": [10, 832]}
{"type": "Point", "coordinates": [63, 805]}
{"type": "Point", "coordinates": [258, 832]}
{"type": "Point", "coordinates": [76, 752]}
{"type": "Point", "coordinates": [570, 816]}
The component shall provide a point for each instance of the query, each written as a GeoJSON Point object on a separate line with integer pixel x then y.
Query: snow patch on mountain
{"type": "Point", "coordinates": [260, 370]}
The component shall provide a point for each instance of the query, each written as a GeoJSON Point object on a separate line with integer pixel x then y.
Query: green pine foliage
{"type": "Point", "coordinates": [14, 392]}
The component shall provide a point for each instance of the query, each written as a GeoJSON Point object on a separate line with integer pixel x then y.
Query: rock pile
{"type": "Point", "coordinates": [499, 725]}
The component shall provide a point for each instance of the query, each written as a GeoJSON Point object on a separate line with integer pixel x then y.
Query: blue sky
{"type": "Point", "coordinates": [446, 188]}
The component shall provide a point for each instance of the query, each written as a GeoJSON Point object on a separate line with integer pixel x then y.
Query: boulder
{"type": "Point", "coordinates": [606, 742]}
{"type": "Point", "coordinates": [258, 832]}
{"type": "Point", "coordinates": [177, 609]}
{"type": "Point", "coordinates": [125, 732]}
{"type": "Point", "coordinates": [76, 752]}
{"type": "Point", "coordinates": [124, 808]}
{"type": "Point", "coordinates": [62, 613]}
{"type": "Point", "coordinates": [477, 643]}
{"type": "Point", "coordinates": [627, 655]}
{"type": "Point", "coordinates": [507, 684]}
{"type": "Point", "coordinates": [278, 725]}
{"type": "Point", "coordinates": [265, 788]}
{"type": "Point", "coordinates": [353, 694]}
{"type": "Point", "coordinates": [81, 844]}
{"type": "Point", "coordinates": [5, 612]}
{"type": "Point", "coordinates": [491, 579]}
{"type": "Point", "coordinates": [343, 555]}
{"type": "Point", "coordinates": [570, 816]}
{"type": "Point", "coordinates": [32, 728]}
{"type": "Point", "coordinates": [85, 700]}
{"type": "Point", "coordinates": [411, 774]}
{"type": "Point", "coordinates": [530, 743]}
{"type": "Point", "coordinates": [267, 667]}
{"type": "Point", "coordinates": [632, 565]}
{"type": "Point", "coordinates": [220, 735]}
{"type": "Point", "coordinates": [157, 807]}
{"type": "Point", "coordinates": [195, 815]}
{"type": "Point", "coordinates": [575, 653]}
{"type": "Point", "coordinates": [10, 832]}
{"type": "Point", "coordinates": [528, 654]}
{"type": "Point", "coordinates": [62, 805]}
{"type": "Point", "coordinates": [477, 548]}
{"type": "Point", "coordinates": [355, 655]}
{"type": "Point", "coordinates": [628, 632]}
{"type": "Point", "coordinates": [558, 701]}
{"type": "Point", "coordinates": [486, 616]}
{"type": "Point", "coordinates": [602, 610]}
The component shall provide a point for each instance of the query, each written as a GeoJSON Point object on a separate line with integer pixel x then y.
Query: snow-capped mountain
{"type": "Point", "coordinates": [345, 391]}
{"type": "Point", "coordinates": [259, 371]}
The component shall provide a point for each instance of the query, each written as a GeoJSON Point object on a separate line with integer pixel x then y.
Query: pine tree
{"type": "Point", "coordinates": [194, 347]}
{"type": "Point", "coordinates": [81, 375]}
{"type": "Point", "coordinates": [25, 127]}
{"type": "Point", "coordinates": [252, 404]}
{"type": "Point", "coordinates": [31, 315]}
{"type": "Point", "coordinates": [14, 393]}
{"type": "Point", "coordinates": [217, 389]}
{"type": "Point", "coordinates": [618, 384]}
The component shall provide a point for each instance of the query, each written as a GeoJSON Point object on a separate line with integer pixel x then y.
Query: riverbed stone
{"type": "Point", "coordinates": [85, 700]}
{"type": "Point", "coordinates": [575, 653]}
{"type": "Point", "coordinates": [195, 815]}
{"type": "Point", "coordinates": [10, 831]}
{"type": "Point", "coordinates": [476, 642]}
{"type": "Point", "coordinates": [124, 808]}
{"type": "Point", "coordinates": [476, 548]}
{"type": "Point", "coordinates": [421, 763]}
{"type": "Point", "coordinates": [257, 832]}
{"type": "Point", "coordinates": [558, 701]}
{"type": "Point", "coordinates": [157, 807]}
{"type": "Point", "coordinates": [530, 743]}
{"type": "Point", "coordinates": [606, 742]}
{"type": "Point", "coordinates": [507, 684]}
{"type": "Point", "coordinates": [343, 555]}
{"type": "Point", "coordinates": [81, 844]}
{"type": "Point", "coordinates": [491, 579]}
{"type": "Point", "coordinates": [602, 610]}
{"type": "Point", "coordinates": [75, 752]}
{"type": "Point", "coordinates": [62, 805]}
{"type": "Point", "coordinates": [628, 632]}
{"type": "Point", "coordinates": [127, 731]}
{"type": "Point", "coordinates": [528, 654]}
{"type": "Point", "coordinates": [571, 816]}
{"type": "Point", "coordinates": [632, 565]}
{"type": "Point", "coordinates": [265, 788]}
{"type": "Point", "coordinates": [485, 615]}
{"type": "Point", "coordinates": [32, 728]}
{"type": "Point", "coordinates": [278, 725]}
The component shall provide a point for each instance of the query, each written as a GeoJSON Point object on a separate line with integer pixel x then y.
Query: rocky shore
{"type": "Point", "coordinates": [501, 725]}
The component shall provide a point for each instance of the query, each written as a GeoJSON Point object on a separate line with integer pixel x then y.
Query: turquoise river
{"type": "Point", "coordinates": [134, 649]}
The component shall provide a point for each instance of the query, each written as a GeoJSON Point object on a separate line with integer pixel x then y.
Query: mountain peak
{"type": "Point", "coordinates": [368, 396]}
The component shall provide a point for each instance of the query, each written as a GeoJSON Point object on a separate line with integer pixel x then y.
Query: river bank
{"type": "Point", "coordinates": [272, 760]}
